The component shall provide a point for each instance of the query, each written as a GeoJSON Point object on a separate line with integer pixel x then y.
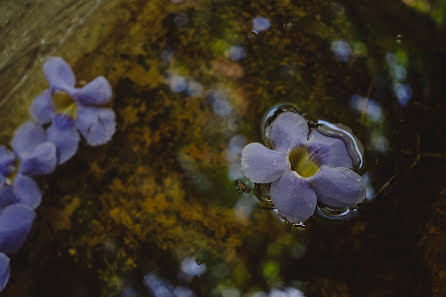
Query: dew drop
{"type": "Point", "coordinates": [354, 146]}
{"type": "Point", "coordinates": [271, 115]}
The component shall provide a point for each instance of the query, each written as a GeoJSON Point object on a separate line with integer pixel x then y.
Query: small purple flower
{"type": "Point", "coordinates": [96, 124]}
{"type": "Point", "coordinates": [303, 168]}
{"type": "Point", "coordinates": [33, 155]}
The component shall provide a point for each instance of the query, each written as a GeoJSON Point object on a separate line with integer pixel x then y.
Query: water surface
{"type": "Point", "coordinates": [192, 81]}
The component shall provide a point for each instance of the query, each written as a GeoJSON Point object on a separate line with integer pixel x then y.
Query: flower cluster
{"type": "Point", "coordinates": [303, 167]}
{"type": "Point", "coordinates": [40, 145]}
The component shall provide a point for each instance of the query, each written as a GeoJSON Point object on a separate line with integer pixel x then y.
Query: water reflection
{"type": "Point", "coordinates": [235, 53]}
{"type": "Point", "coordinates": [158, 286]}
{"type": "Point", "coordinates": [177, 83]}
{"type": "Point", "coordinates": [379, 142]}
{"type": "Point", "coordinates": [230, 292]}
{"type": "Point", "coordinates": [188, 164]}
{"type": "Point", "coordinates": [397, 68]}
{"type": "Point", "coordinates": [370, 190]}
{"type": "Point", "coordinates": [191, 268]}
{"type": "Point", "coordinates": [167, 55]}
{"type": "Point", "coordinates": [245, 206]}
{"type": "Point", "coordinates": [129, 292]}
{"type": "Point", "coordinates": [194, 88]}
{"type": "Point", "coordinates": [260, 24]}
{"type": "Point", "coordinates": [403, 93]}
{"type": "Point", "coordinates": [285, 292]}
{"type": "Point", "coordinates": [283, 67]}
{"type": "Point", "coordinates": [367, 106]}
{"type": "Point", "coordinates": [233, 155]}
{"type": "Point", "coordinates": [341, 49]}
{"type": "Point", "coordinates": [181, 19]}
{"type": "Point", "coordinates": [183, 292]}
{"type": "Point", "coordinates": [218, 99]}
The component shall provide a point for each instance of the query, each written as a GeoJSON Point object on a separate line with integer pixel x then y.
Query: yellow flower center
{"type": "Point", "coordinates": [302, 162]}
{"type": "Point", "coordinates": [64, 104]}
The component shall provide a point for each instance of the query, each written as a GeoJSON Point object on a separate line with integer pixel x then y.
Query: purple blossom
{"type": "Point", "coordinates": [33, 155]}
{"type": "Point", "coordinates": [95, 123]}
{"type": "Point", "coordinates": [5, 270]}
{"type": "Point", "coordinates": [303, 167]}
{"type": "Point", "coordinates": [36, 151]}
{"type": "Point", "coordinates": [19, 194]}
{"type": "Point", "coordinates": [15, 223]}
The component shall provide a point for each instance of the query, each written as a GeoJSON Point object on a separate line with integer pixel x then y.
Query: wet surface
{"type": "Point", "coordinates": [164, 207]}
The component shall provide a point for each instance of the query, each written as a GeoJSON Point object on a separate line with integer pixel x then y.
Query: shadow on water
{"type": "Point", "coordinates": [156, 211]}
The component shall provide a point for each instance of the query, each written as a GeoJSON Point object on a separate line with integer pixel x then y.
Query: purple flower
{"type": "Point", "coordinates": [96, 124]}
{"type": "Point", "coordinates": [33, 155]}
{"type": "Point", "coordinates": [303, 168]}
{"type": "Point", "coordinates": [5, 270]}
{"type": "Point", "coordinates": [15, 223]}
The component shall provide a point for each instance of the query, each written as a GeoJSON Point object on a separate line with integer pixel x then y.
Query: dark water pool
{"type": "Point", "coordinates": [158, 211]}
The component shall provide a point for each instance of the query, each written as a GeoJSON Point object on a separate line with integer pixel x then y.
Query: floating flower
{"type": "Point", "coordinates": [303, 167]}
{"type": "Point", "coordinates": [33, 155]}
{"type": "Point", "coordinates": [80, 110]}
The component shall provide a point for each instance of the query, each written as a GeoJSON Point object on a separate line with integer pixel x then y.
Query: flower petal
{"type": "Point", "coordinates": [288, 130]}
{"type": "Point", "coordinates": [15, 223]}
{"type": "Point", "coordinates": [330, 151]}
{"type": "Point", "coordinates": [96, 92]}
{"type": "Point", "coordinates": [65, 137]}
{"type": "Point", "coordinates": [293, 197]}
{"type": "Point", "coordinates": [59, 75]}
{"type": "Point", "coordinates": [7, 196]}
{"type": "Point", "coordinates": [5, 270]}
{"type": "Point", "coordinates": [42, 108]}
{"type": "Point", "coordinates": [42, 160]}
{"type": "Point", "coordinates": [27, 191]}
{"type": "Point", "coordinates": [27, 137]}
{"type": "Point", "coordinates": [338, 187]}
{"type": "Point", "coordinates": [97, 125]}
{"type": "Point", "coordinates": [7, 159]}
{"type": "Point", "coordinates": [262, 165]}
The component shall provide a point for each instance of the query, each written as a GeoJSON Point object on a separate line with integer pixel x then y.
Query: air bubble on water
{"type": "Point", "coordinates": [271, 115]}
{"type": "Point", "coordinates": [333, 213]}
{"type": "Point", "coordinates": [354, 146]}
